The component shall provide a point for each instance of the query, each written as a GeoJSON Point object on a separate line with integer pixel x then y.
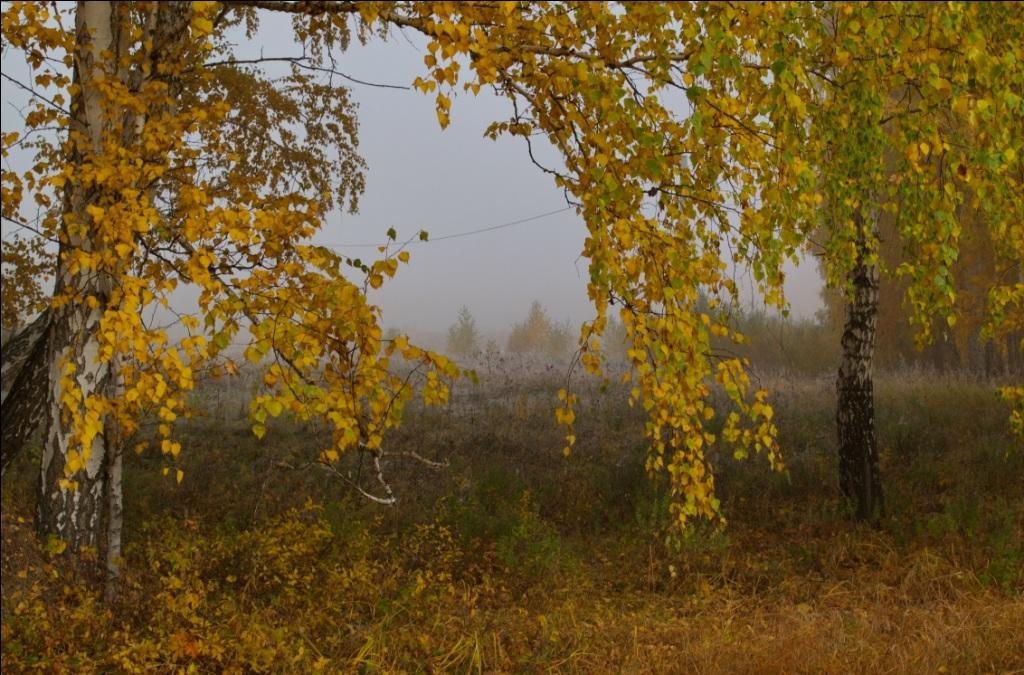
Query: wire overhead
{"type": "Point", "coordinates": [468, 233]}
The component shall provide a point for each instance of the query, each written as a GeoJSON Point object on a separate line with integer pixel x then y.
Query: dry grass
{"type": "Point", "coordinates": [516, 559]}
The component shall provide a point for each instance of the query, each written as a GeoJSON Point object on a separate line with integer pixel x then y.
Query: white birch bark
{"type": "Point", "coordinates": [73, 510]}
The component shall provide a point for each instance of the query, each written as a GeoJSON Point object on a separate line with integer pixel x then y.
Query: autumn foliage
{"type": "Point", "coordinates": [691, 137]}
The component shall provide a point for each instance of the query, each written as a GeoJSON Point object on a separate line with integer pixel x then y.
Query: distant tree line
{"type": "Point", "coordinates": [777, 344]}
{"type": "Point", "coordinates": [536, 335]}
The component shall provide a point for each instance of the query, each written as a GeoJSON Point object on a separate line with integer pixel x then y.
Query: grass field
{"type": "Point", "coordinates": [514, 558]}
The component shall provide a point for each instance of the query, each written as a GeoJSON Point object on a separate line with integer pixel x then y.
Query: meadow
{"type": "Point", "coordinates": [513, 558]}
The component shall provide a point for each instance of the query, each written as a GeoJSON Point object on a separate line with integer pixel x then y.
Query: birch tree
{"type": "Point", "coordinates": [175, 164]}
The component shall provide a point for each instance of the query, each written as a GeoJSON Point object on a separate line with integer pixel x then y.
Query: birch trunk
{"type": "Point", "coordinates": [859, 475]}
{"type": "Point", "coordinates": [71, 504]}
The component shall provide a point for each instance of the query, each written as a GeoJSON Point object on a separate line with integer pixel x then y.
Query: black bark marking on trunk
{"type": "Point", "coordinates": [25, 378]}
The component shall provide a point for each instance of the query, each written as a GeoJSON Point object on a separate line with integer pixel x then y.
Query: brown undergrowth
{"type": "Point", "coordinates": [514, 558]}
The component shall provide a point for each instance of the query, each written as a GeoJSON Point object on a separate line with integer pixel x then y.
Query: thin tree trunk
{"type": "Point", "coordinates": [993, 364]}
{"type": "Point", "coordinates": [165, 24]}
{"type": "Point", "coordinates": [859, 475]}
{"type": "Point", "coordinates": [1008, 352]}
{"type": "Point", "coordinates": [115, 449]}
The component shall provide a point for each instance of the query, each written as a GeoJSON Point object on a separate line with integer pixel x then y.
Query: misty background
{"type": "Point", "coordinates": [454, 181]}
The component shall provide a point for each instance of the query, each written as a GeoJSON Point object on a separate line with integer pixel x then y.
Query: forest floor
{"type": "Point", "coordinates": [515, 558]}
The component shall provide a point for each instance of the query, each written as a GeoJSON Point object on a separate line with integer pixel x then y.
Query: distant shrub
{"type": "Point", "coordinates": [463, 336]}
{"type": "Point", "coordinates": [539, 336]}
